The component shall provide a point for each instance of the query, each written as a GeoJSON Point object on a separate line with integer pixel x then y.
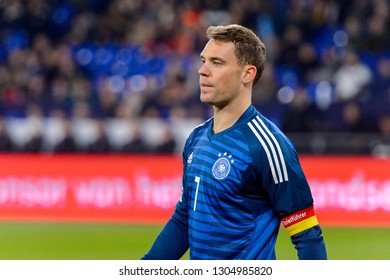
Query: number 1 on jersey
{"type": "Point", "coordinates": [197, 181]}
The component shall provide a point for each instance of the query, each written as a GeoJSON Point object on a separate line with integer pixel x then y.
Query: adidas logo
{"type": "Point", "coordinates": [189, 159]}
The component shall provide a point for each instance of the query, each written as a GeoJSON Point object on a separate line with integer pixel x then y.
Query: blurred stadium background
{"type": "Point", "coordinates": [97, 98]}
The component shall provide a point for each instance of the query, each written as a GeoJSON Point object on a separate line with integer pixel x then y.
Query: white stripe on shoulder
{"type": "Point", "coordinates": [283, 163]}
{"type": "Point", "coordinates": [274, 153]}
{"type": "Point", "coordinates": [271, 164]}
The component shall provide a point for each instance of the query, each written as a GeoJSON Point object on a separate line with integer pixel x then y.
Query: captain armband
{"type": "Point", "coordinates": [300, 221]}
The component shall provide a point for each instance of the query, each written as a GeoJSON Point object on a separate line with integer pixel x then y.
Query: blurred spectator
{"type": "Point", "coordinates": [307, 61]}
{"type": "Point", "coordinates": [381, 85]}
{"type": "Point", "coordinates": [6, 144]}
{"type": "Point", "coordinates": [292, 38]}
{"type": "Point", "coordinates": [353, 119]}
{"type": "Point", "coordinates": [353, 27]}
{"type": "Point", "coordinates": [81, 110]}
{"type": "Point", "coordinates": [108, 98]}
{"type": "Point", "coordinates": [35, 131]}
{"type": "Point", "coordinates": [167, 144]}
{"type": "Point", "coordinates": [381, 146]}
{"type": "Point", "coordinates": [269, 85]}
{"type": "Point", "coordinates": [137, 144]}
{"type": "Point", "coordinates": [326, 69]}
{"type": "Point", "coordinates": [59, 94]}
{"type": "Point", "coordinates": [352, 77]}
{"type": "Point", "coordinates": [67, 143]}
{"type": "Point", "coordinates": [36, 91]}
{"type": "Point", "coordinates": [378, 37]}
{"type": "Point", "coordinates": [300, 114]}
{"type": "Point", "coordinates": [101, 144]}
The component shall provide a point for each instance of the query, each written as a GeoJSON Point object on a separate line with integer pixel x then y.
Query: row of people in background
{"type": "Point", "coordinates": [60, 135]}
{"type": "Point", "coordinates": [99, 141]}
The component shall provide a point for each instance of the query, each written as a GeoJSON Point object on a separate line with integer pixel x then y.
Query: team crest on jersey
{"type": "Point", "coordinates": [222, 166]}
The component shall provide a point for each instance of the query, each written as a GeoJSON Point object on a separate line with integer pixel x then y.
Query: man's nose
{"type": "Point", "coordinates": [203, 70]}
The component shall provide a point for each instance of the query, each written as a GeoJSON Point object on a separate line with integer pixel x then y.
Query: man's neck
{"type": "Point", "coordinates": [228, 115]}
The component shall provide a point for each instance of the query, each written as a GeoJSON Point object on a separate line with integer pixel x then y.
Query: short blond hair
{"type": "Point", "coordinates": [249, 49]}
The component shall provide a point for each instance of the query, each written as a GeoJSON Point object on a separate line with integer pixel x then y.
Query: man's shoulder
{"type": "Point", "coordinates": [197, 132]}
{"type": "Point", "coordinates": [259, 123]}
{"type": "Point", "coordinates": [265, 137]}
{"type": "Point", "coordinates": [201, 127]}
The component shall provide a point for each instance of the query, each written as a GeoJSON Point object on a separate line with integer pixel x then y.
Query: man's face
{"type": "Point", "coordinates": [220, 75]}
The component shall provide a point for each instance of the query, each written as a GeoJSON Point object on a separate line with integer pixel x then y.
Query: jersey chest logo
{"type": "Point", "coordinates": [222, 166]}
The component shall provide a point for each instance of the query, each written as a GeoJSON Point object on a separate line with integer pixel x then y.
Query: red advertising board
{"type": "Point", "coordinates": [351, 190]}
{"type": "Point", "coordinates": [104, 188]}
{"type": "Point", "coordinates": [348, 191]}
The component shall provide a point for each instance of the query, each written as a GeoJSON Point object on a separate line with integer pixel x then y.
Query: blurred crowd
{"type": "Point", "coordinates": [121, 75]}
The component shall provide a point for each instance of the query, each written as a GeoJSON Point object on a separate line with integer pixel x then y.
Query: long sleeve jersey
{"type": "Point", "coordinates": [239, 185]}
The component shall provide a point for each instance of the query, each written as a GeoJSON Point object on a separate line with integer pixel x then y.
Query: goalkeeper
{"type": "Point", "coordinates": [242, 177]}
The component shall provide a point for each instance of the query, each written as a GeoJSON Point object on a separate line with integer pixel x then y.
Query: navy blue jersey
{"type": "Point", "coordinates": [238, 186]}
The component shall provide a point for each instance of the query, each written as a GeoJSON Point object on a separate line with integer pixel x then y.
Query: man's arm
{"type": "Point", "coordinates": [310, 244]}
{"type": "Point", "coordinates": [306, 234]}
{"type": "Point", "coordinates": [171, 243]}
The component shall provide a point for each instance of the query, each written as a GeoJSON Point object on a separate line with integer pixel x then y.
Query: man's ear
{"type": "Point", "coordinates": [249, 74]}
